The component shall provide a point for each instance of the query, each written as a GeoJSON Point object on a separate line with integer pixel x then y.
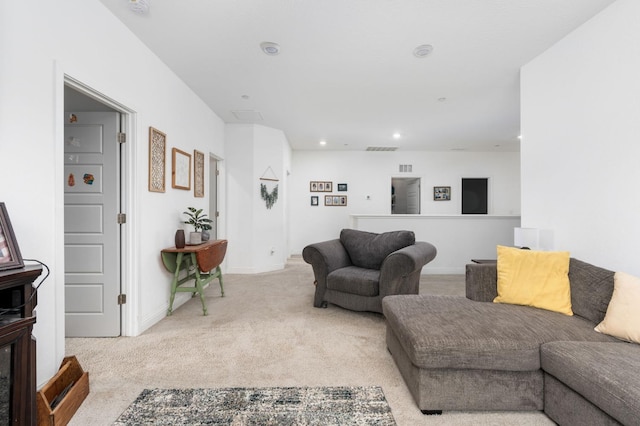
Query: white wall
{"type": "Point", "coordinates": [368, 174]}
{"type": "Point", "coordinates": [257, 236]}
{"type": "Point", "coordinates": [581, 133]}
{"type": "Point", "coordinates": [40, 42]}
{"type": "Point", "coordinates": [458, 238]}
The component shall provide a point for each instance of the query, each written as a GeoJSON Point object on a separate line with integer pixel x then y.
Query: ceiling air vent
{"type": "Point", "coordinates": [381, 148]}
{"type": "Point", "coordinates": [247, 115]}
{"type": "Point", "coordinates": [405, 168]}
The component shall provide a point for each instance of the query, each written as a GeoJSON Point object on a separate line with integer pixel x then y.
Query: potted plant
{"type": "Point", "coordinates": [200, 222]}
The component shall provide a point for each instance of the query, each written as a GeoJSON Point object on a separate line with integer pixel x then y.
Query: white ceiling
{"type": "Point", "coordinates": [346, 73]}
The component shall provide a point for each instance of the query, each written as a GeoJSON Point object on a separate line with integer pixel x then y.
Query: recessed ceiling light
{"type": "Point", "coordinates": [397, 135]}
{"type": "Point", "coordinates": [422, 51]}
{"type": "Point", "coordinates": [270, 48]}
{"type": "Point", "coordinates": [139, 6]}
{"type": "Point", "coordinates": [323, 143]}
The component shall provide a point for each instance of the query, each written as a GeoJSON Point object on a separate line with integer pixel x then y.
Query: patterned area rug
{"type": "Point", "coordinates": [260, 406]}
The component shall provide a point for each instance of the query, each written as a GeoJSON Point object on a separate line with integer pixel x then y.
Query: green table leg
{"type": "Point", "coordinates": [174, 283]}
{"type": "Point", "coordinates": [199, 284]}
{"type": "Point", "coordinates": [219, 274]}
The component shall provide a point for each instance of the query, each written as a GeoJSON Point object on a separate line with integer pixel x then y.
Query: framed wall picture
{"type": "Point", "coordinates": [314, 200]}
{"type": "Point", "coordinates": [320, 186]}
{"type": "Point", "coordinates": [198, 174]}
{"type": "Point", "coordinates": [442, 193]}
{"type": "Point", "coordinates": [180, 169]}
{"type": "Point", "coordinates": [342, 187]}
{"type": "Point", "coordinates": [10, 257]}
{"type": "Point", "coordinates": [157, 162]}
{"type": "Point", "coordinates": [335, 200]}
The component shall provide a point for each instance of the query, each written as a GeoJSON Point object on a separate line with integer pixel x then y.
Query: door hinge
{"type": "Point", "coordinates": [217, 172]}
{"type": "Point", "coordinates": [122, 299]}
{"type": "Point", "coordinates": [217, 214]}
{"type": "Point", "coordinates": [122, 218]}
{"type": "Point", "coordinates": [122, 137]}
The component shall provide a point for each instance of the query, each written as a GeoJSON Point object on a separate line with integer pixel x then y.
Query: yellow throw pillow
{"type": "Point", "coordinates": [622, 319]}
{"type": "Point", "coordinates": [534, 278]}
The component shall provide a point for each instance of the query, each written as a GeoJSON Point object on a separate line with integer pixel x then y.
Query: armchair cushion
{"type": "Point", "coordinates": [354, 280]}
{"type": "Point", "coordinates": [368, 250]}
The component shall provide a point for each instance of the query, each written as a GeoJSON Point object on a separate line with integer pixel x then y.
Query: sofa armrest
{"type": "Point", "coordinates": [330, 255]}
{"type": "Point", "coordinates": [481, 282]}
{"type": "Point", "coordinates": [404, 263]}
{"type": "Point", "coordinates": [325, 257]}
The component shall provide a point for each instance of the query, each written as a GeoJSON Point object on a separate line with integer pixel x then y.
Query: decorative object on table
{"type": "Point", "coordinates": [200, 222]}
{"type": "Point", "coordinates": [10, 257]}
{"type": "Point", "coordinates": [180, 169]}
{"type": "Point", "coordinates": [442, 193]}
{"type": "Point", "coordinates": [180, 241]}
{"type": "Point", "coordinates": [198, 174]}
{"type": "Point", "coordinates": [320, 186]}
{"type": "Point", "coordinates": [270, 197]}
{"type": "Point", "coordinates": [314, 200]}
{"type": "Point", "coordinates": [195, 238]}
{"type": "Point", "coordinates": [335, 200]}
{"type": "Point", "coordinates": [344, 405]}
{"type": "Point", "coordinates": [157, 155]}
{"type": "Point", "coordinates": [342, 187]}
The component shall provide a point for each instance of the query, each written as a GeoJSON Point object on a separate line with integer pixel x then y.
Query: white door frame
{"type": "Point", "coordinates": [128, 246]}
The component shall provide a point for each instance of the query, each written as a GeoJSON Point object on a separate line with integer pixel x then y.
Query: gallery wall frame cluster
{"type": "Point", "coordinates": [181, 168]}
{"type": "Point", "coordinates": [332, 200]}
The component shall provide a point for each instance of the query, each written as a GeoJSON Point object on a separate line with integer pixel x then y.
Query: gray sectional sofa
{"type": "Point", "coordinates": [466, 353]}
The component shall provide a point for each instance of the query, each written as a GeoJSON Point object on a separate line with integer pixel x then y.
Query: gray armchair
{"type": "Point", "coordinates": [360, 268]}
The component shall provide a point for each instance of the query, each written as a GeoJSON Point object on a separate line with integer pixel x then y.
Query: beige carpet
{"type": "Point", "coordinates": [263, 333]}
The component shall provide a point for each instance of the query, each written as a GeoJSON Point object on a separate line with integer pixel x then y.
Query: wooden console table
{"type": "Point", "coordinates": [201, 264]}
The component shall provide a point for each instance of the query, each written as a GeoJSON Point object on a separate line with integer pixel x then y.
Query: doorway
{"type": "Point", "coordinates": [405, 195]}
{"type": "Point", "coordinates": [95, 184]}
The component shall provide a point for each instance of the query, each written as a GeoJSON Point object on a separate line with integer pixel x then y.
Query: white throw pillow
{"type": "Point", "coordinates": [622, 319]}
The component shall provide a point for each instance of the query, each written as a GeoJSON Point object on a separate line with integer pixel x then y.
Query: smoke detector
{"type": "Point", "coordinates": [139, 6]}
{"type": "Point", "coordinates": [422, 51]}
{"type": "Point", "coordinates": [269, 48]}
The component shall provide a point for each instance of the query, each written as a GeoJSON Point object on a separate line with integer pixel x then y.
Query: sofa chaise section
{"type": "Point", "coordinates": [467, 353]}
{"type": "Point", "coordinates": [592, 383]}
{"type": "Point", "coordinates": [458, 354]}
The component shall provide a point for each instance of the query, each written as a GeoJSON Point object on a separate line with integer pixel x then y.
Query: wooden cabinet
{"type": "Point", "coordinates": [17, 346]}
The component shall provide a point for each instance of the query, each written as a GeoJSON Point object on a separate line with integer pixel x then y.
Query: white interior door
{"type": "Point", "coordinates": [213, 197]}
{"type": "Point", "coordinates": [413, 197]}
{"type": "Point", "coordinates": [92, 234]}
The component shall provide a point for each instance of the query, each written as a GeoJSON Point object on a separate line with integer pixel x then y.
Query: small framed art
{"type": "Point", "coordinates": [442, 193]}
{"type": "Point", "coordinates": [157, 154]}
{"type": "Point", "coordinates": [335, 200]}
{"type": "Point", "coordinates": [198, 174]}
{"type": "Point", "coordinates": [180, 169]}
{"type": "Point", "coordinates": [314, 200]}
{"type": "Point", "coordinates": [320, 186]}
{"type": "Point", "coordinates": [342, 187]}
